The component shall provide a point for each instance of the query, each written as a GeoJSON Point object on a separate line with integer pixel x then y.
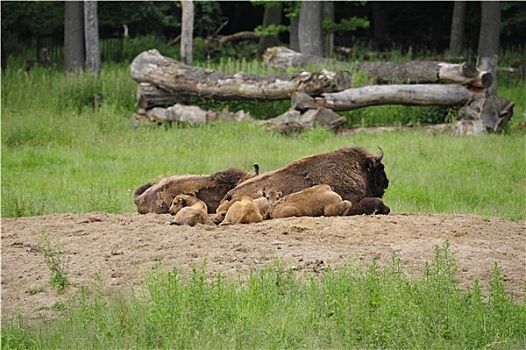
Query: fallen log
{"type": "Point", "coordinates": [185, 115]}
{"type": "Point", "coordinates": [483, 115]}
{"type": "Point", "coordinates": [296, 121]}
{"type": "Point", "coordinates": [287, 123]}
{"type": "Point", "coordinates": [415, 72]}
{"type": "Point", "coordinates": [373, 95]}
{"type": "Point", "coordinates": [180, 79]}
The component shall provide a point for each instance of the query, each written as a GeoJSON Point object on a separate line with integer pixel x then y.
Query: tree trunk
{"type": "Point", "coordinates": [484, 115]}
{"type": "Point", "coordinates": [387, 72]}
{"type": "Point", "coordinates": [272, 16]}
{"type": "Point", "coordinates": [380, 25]}
{"type": "Point", "coordinates": [456, 40]}
{"type": "Point", "coordinates": [187, 31]}
{"type": "Point", "coordinates": [328, 39]}
{"type": "Point", "coordinates": [179, 79]}
{"type": "Point", "coordinates": [373, 95]}
{"type": "Point", "coordinates": [489, 40]}
{"type": "Point", "coordinates": [309, 29]}
{"type": "Point", "coordinates": [91, 30]}
{"type": "Point", "coordinates": [294, 36]}
{"type": "Point", "coordinates": [74, 54]}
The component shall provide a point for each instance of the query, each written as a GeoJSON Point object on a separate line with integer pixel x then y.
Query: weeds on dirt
{"type": "Point", "coordinates": [55, 258]}
{"type": "Point", "coordinates": [353, 306]}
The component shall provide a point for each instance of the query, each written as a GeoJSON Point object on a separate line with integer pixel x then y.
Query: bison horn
{"type": "Point", "coordinates": [381, 155]}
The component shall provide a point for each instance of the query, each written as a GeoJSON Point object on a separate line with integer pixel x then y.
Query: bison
{"type": "Point", "coordinates": [157, 197]}
{"type": "Point", "coordinates": [319, 200]}
{"type": "Point", "coordinates": [188, 210]}
{"type": "Point", "coordinates": [354, 173]}
{"type": "Point", "coordinates": [240, 210]}
{"type": "Point", "coordinates": [369, 206]}
{"type": "Point", "coordinates": [266, 200]}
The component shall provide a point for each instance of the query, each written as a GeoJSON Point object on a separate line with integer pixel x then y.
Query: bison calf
{"type": "Point", "coordinates": [240, 210]}
{"type": "Point", "coordinates": [266, 200]}
{"type": "Point", "coordinates": [319, 200]}
{"type": "Point", "coordinates": [188, 210]}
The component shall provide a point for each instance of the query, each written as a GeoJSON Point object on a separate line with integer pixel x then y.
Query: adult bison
{"type": "Point", "coordinates": [157, 197]}
{"type": "Point", "coordinates": [354, 173]}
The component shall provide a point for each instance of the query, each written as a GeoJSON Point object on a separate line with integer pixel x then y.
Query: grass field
{"type": "Point", "coordinates": [63, 153]}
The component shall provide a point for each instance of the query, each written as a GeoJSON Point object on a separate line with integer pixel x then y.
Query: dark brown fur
{"type": "Point", "coordinates": [370, 206]}
{"type": "Point", "coordinates": [157, 197]}
{"type": "Point", "coordinates": [354, 173]}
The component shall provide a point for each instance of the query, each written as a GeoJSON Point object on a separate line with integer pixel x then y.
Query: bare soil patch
{"type": "Point", "coordinates": [118, 250]}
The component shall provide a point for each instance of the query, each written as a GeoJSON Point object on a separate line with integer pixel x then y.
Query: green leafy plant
{"type": "Point", "coordinates": [55, 258]}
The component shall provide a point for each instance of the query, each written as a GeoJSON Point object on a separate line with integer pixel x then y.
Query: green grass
{"type": "Point", "coordinates": [64, 152]}
{"type": "Point", "coordinates": [355, 306]}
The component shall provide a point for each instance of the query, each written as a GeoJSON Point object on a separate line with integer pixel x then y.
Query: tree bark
{"type": "Point", "coordinates": [489, 40]}
{"type": "Point", "coordinates": [188, 115]}
{"type": "Point", "coordinates": [416, 72]}
{"type": "Point", "coordinates": [272, 16]}
{"type": "Point", "coordinates": [484, 115]}
{"type": "Point", "coordinates": [328, 39]}
{"type": "Point", "coordinates": [456, 39]}
{"type": "Point", "coordinates": [187, 31]}
{"type": "Point", "coordinates": [179, 79]}
{"type": "Point", "coordinates": [294, 35]}
{"type": "Point", "coordinates": [74, 54]}
{"type": "Point", "coordinates": [310, 29]}
{"type": "Point", "coordinates": [91, 30]}
{"type": "Point", "coordinates": [373, 95]}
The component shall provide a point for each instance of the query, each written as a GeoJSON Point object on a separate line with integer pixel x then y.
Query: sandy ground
{"type": "Point", "coordinates": [118, 250]}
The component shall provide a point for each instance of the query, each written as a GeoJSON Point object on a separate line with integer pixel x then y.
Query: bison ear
{"type": "Point", "coordinates": [369, 164]}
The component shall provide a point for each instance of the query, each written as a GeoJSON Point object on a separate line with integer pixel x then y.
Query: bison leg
{"type": "Point", "coordinates": [370, 206]}
{"type": "Point", "coordinates": [286, 212]}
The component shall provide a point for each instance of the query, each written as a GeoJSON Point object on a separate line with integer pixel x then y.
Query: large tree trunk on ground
{"type": "Point", "coordinates": [483, 115]}
{"type": "Point", "coordinates": [416, 72]}
{"type": "Point", "coordinates": [287, 123]}
{"type": "Point", "coordinates": [177, 78]}
{"type": "Point", "coordinates": [373, 95]}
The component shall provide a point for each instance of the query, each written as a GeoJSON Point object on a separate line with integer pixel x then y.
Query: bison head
{"type": "Point", "coordinates": [178, 203]}
{"type": "Point", "coordinates": [377, 179]}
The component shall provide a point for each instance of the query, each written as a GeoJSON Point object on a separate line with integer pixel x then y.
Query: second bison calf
{"type": "Point", "coordinates": [319, 200]}
{"type": "Point", "coordinates": [188, 210]}
{"type": "Point", "coordinates": [240, 210]}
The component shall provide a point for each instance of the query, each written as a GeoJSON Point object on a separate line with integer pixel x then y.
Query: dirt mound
{"type": "Point", "coordinates": [117, 250]}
